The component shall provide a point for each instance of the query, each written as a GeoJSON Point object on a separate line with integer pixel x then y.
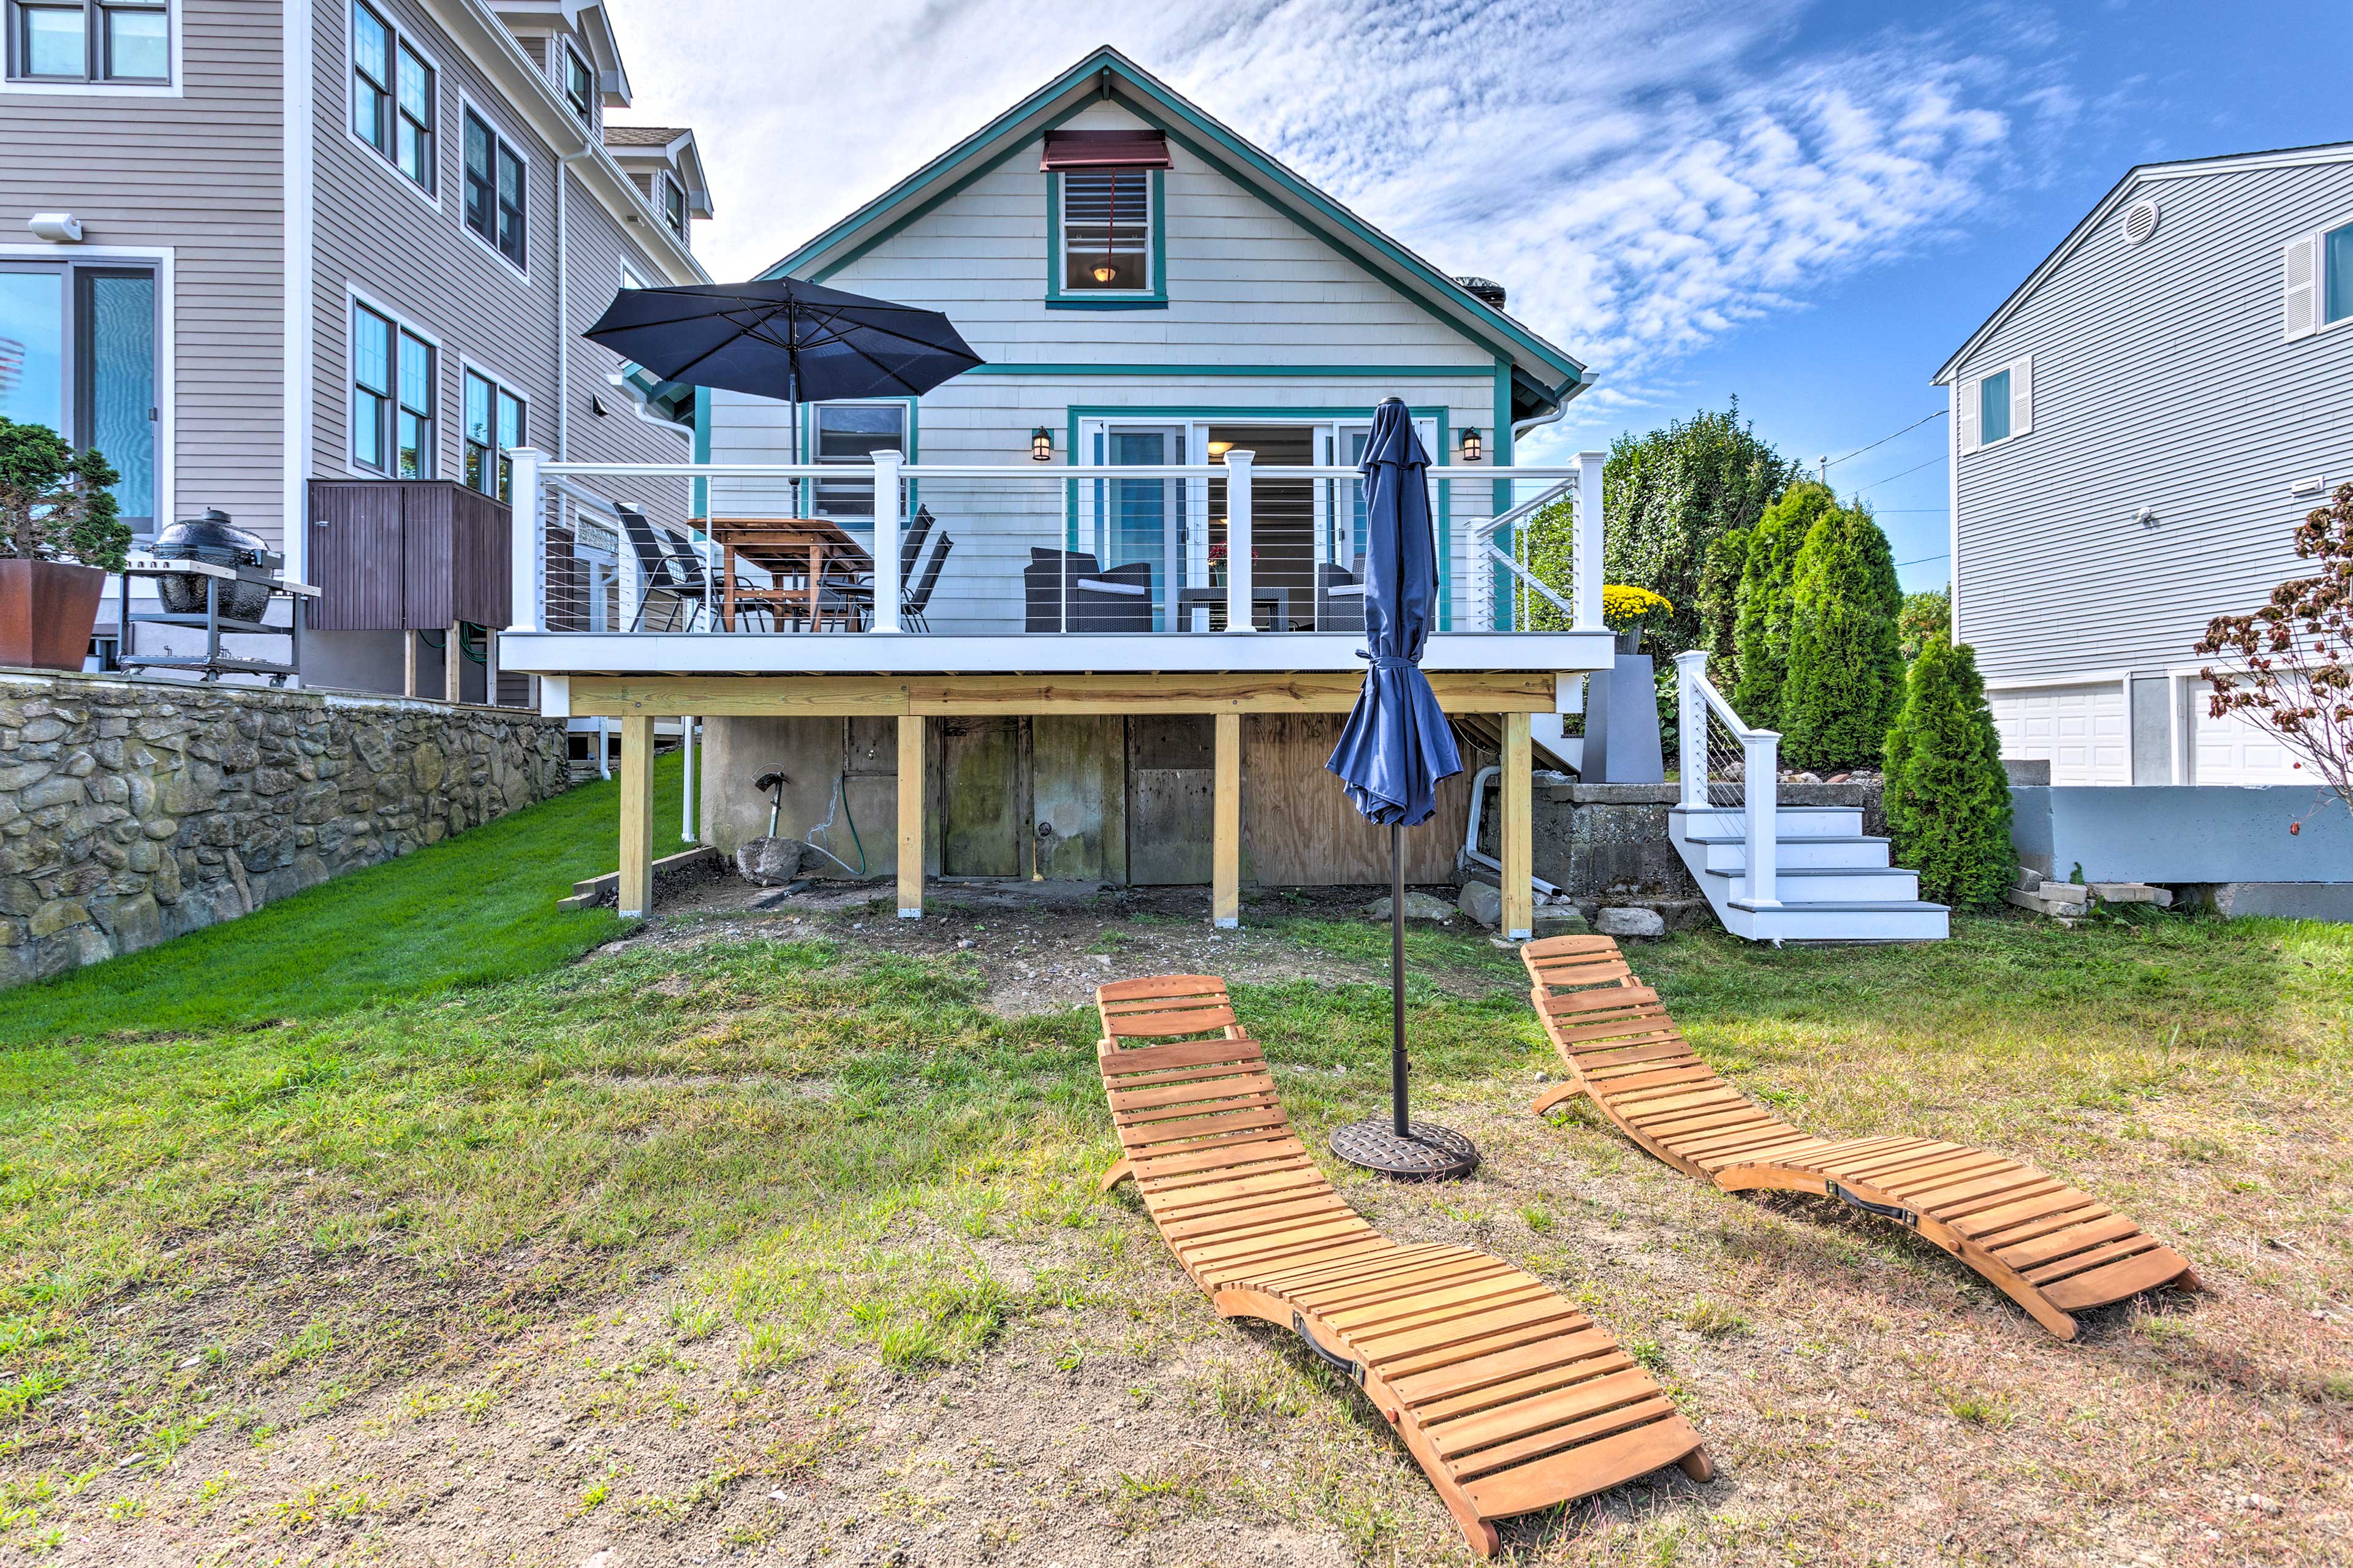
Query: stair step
{"type": "Point", "coordinates": [1725, 852]}
{"type": "Point", "coordinates": [1823, 884]}
{"type": "Point", "coordinates": [1841, 920]}
{"type": "Point", "coordinates": [1790, 821]}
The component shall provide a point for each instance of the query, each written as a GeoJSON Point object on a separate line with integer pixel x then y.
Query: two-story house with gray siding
{"type": "Point", "coordinates": [301, 259]}
{"type": "Point", "coordinates": [2136, 432]}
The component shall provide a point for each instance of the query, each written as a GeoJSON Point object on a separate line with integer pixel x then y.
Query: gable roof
{"type": "Point", "coordinates": [1544, 376]}
{"type": "Point", "coordinates": [674, 146]}
{"type": "Point", "coordinates": [2139, 175]}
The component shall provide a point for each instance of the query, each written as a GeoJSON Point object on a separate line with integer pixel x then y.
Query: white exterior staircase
{"type": "Point", "coordinates": [1774, 872]}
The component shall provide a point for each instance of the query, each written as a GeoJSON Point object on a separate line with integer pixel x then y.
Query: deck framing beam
{"type": "Point", "coordinates": [965, 696]}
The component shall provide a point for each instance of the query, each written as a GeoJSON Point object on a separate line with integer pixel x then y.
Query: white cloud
{"type": "Point", "coordinates": [1645, 177]}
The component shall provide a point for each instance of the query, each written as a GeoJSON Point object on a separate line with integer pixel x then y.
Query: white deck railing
{"type": "Point", "coordinates": [1725, 764]}
{"type": "Point", "coordinates": [1047, 548]}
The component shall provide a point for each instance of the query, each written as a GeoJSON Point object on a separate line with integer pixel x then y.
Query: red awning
{"type": "Point", "coordinates": [1105, 150]}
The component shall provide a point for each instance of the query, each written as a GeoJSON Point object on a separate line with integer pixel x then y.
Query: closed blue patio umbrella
{"type": "Point", "coordinates": [1394, 752]}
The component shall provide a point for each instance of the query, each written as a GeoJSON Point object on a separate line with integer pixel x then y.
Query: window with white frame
{"type": "Point", "coordinates": [579, 85]}
{"type": "Point", "coordinates": [79, 354]}
{"type": "Point", "coordinates": [495, 198]}
{"type": "Point", "coordinates": [392, 396]}
{"type": "Point", "coordinates": [852, 432]}
{"type": "Point", "coordinates": [2317, 281]}
{"type": "Point", "coordinates": [495, 424]}
{"type": "Point", "coordinates": [1997, 406]}
{"type": "Point", "coordinates": [121, 41]}
{"type": "Point", "coordinates": [394, 95]}
{"type": "Point", "coordinates": [674, 206]}
{"type": "Point", "coordinates": [1106, 231]}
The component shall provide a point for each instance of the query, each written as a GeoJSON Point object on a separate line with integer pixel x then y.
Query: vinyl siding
{"type": "Point", "coordinates": [374, 234]}
{"type": "Point", "coordinates": [2160, 379]}
{"type": "Point", "coordinates": [597, 249]}
{"type": "Point", "coordinates": [199, 172]}
{"type": "Point", "coordinates": [1246, 287]}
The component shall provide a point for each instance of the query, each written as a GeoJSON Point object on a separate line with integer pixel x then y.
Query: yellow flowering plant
{"type": "Point", "coordinates": [1622, 606]}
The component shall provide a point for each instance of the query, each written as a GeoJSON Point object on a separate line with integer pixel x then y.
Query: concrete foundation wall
{"type": "Point", "coordinates": [2177, 833]}
{"type": "Point", "coordinates": [134, 810]}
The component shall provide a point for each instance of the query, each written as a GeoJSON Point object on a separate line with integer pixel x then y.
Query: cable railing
{"type": "Point", "coordinates": [1727, 767]}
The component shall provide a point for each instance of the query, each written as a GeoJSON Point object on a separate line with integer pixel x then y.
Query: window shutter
{"type": "Point", "coordinates": [2300, 286]}
{"type": "Point", "coordinates": [2022, 395]}
{"type": "Point", "coordinates": [1971, 390]}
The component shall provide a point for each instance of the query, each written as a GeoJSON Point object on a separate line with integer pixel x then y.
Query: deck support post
{"type": "Point", "coordinates": [911, 809]}
{"type": "Point", "coordinates": [489, 667]}
{"type": "Point", "coordinates": [453, 663]}
{"type": "Point", "coordinates": [636, 886]}
{"type": "Point", "coordinates": [1225, 829]}
{"type": "Point", "coordinates": [408, 662]}
{"type": "Point", "coordinates": [686, 800]}
{"type": "Point", "coordinates": [1517, 831]}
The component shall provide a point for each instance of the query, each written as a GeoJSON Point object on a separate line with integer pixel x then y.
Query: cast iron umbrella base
{"type": "Point", "coordinates": [1428, 1152]}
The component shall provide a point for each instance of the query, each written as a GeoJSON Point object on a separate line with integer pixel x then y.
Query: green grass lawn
{"type": "Point", "coordinates": [469, 910]}
{"type": "Point", "coordinates": [380, 1171]}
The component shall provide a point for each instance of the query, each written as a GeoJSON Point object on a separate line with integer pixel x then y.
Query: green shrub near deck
{"type": "Point", "coordinates": [1948, 795]}
{"type": "Point", "coordinates": [1846, 680]}
{"type": "Point", "coordinates": [1761, 631]}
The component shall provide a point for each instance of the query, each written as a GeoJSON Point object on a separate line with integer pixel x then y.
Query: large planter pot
{"type": "Point", "coordinates": [47, 609]}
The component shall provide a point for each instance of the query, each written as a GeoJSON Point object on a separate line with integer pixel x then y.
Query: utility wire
{"type": "Point", "coordinates": [1940, 555]}
{"type": "Point", "coordinates": [1893, 477]}
{"type": "Point", "coordinates": [1858, 451]}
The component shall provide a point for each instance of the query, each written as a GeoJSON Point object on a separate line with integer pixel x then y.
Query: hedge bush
{"type": "Point", "coordinates": [1846, 680]}
{"type": "Point", "coordinates": [1761, 632]}
{"type": "Point", "coordinates": [1948, 795]}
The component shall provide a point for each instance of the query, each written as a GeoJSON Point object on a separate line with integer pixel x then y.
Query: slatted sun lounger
{"type": "Point", "coordinates": [2052, 1249]}
{"type": "Point", "coordinates": [1509, 1398]}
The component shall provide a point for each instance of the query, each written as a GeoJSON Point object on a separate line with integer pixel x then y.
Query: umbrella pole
{"type": "Point", "coordinates": [1397, 977]}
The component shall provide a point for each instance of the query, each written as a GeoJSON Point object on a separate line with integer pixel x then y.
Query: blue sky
{"type": "Point", "coordinates": [1808, 204]}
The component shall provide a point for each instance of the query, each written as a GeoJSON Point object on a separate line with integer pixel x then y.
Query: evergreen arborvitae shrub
{"type": "Point", "coordinates": [1845, 679]}
{"type": "Point", "coordinates": [1719, 606]}
{"type": "Point", "coordinates": [1761, 629]}
{"type": "Point", "coordinates": [1948, 795]}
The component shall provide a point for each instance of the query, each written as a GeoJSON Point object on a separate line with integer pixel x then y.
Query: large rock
{"type": "Point", "coordinates": [770, 861]}
{"type": "Point", "coordinates": [1419, 906]}
{"type": "Point", "coordinates": [1482, 902]}
{"type": "Point", "coordinates": [1630, 920]}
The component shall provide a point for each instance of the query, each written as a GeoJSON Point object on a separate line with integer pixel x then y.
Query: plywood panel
{"type": "Point", "coordinates": [1079, 802]}
{"type": "Point", "coordinates": [1298, 828]}
{"type": "Point", "coordinates": [980, 779]}
{"type": "Point", "coordinates": [1168, 801]}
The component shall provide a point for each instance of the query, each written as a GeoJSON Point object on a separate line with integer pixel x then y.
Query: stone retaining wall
{"type": "Point", "coordinates": [135, 810]}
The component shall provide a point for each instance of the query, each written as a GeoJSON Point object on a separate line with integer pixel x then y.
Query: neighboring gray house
{"type": "Point", "coordinates": [2138, 430]}
{"type": "Point", "coordinates": [269, 254]}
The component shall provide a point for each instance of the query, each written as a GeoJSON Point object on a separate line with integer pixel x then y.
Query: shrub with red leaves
{"type": "Point", "coordinates": [2290, 665]}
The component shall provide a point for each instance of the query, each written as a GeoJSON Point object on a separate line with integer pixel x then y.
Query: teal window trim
{"type": "Point", "coordinates": [1152, 298]}
{"type": "Point", "coordinates": [1988, 403]}
{"type": "Point", "coordinates": [2337, 274]}
{"type": "Point", "coordinates": [1436, 412]}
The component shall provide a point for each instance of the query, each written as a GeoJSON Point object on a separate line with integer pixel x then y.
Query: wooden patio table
{"type": "Point", "coordinates": [781, 545]}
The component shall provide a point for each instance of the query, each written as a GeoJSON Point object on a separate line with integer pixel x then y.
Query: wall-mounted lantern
{"type": "Point", "coordinates": [1470, 445]}
{"type": "Point", "coordinates": [1041, 445]}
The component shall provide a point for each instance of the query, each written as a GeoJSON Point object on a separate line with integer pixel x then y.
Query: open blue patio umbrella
{"type": "Point", "coordinates": [1395, 751]}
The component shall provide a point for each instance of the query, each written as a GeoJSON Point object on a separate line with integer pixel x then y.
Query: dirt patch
{"type": "Point", "coordinates": [1046, 946]}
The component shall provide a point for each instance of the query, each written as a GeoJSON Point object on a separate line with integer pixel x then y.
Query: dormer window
{"type": "Point", "coordinates": [579, 86]}
{"type": "Point", "coordinates": [1103, 195]}
{"type": "Point", "coordinates": [674, 206]}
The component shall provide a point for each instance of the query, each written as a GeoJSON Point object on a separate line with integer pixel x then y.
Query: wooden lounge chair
{"type": "Point", "coordinates": [2052, 1249]}
{"type": "Point", "coordinates": [1509, 1398]}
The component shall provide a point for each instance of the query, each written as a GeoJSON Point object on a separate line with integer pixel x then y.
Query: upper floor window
{"type": "Point", "coordinates": [674, 206]}
{"type": "Point", "coordinates": [2337, 264]}
{"type": "Point", "coordinates": [579, 87]}
{"type": "Point", "coordinates": [393, 96]}
{"type": "Point", "coordinates": [125, 41]}
{"type": "Point", "coordinates": [392, 396]}
{"type": "Point", "coordinates": [495, 197]}
{"type": "Point", "coordinates": [1997, 406]}
{"type": "Point", "coordinates": [1106, 231]}
{"type": "Point", "coordinates": [495, 419]}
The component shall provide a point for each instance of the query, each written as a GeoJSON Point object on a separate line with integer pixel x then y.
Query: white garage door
{"type": "Point", "coordinates": [2079, 730]}
{"type": "Point", "coordinates": [2235, 750]}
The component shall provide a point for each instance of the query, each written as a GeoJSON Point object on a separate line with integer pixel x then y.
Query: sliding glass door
{"type": "Point", "coordinates": [78, 354]}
